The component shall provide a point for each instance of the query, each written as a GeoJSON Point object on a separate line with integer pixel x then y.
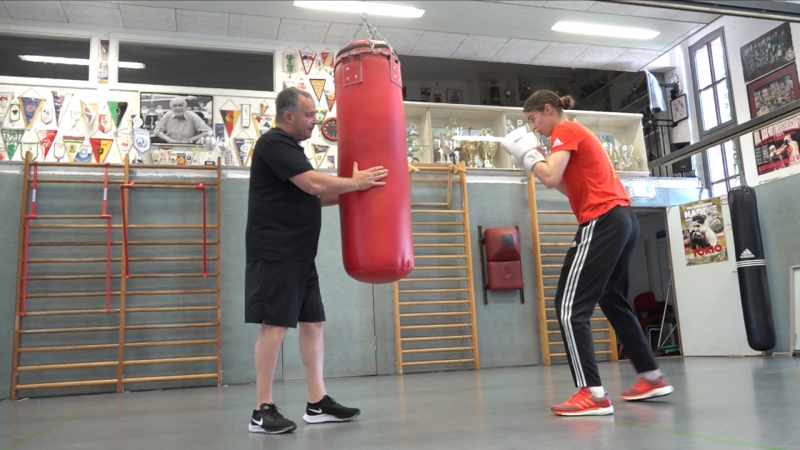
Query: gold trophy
{"type": "Point", "coordinates": [490, 148]}
{"type": "Point", "coordinates": [471, 149]}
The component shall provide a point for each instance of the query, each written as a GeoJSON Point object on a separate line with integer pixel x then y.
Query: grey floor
{"type": "Point", "coordinates": [719, 403]}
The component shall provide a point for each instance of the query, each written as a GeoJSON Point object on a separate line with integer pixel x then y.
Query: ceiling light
{"type": "Point", "coordinates": [371, 8]}
{"type": "Point", "coordinates": [75, 61]}
{"type": "Point", "coordinates": [593, 29]}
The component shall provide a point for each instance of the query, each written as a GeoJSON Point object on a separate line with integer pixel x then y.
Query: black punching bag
{"type": "Point", "coordinates": [752, 268]}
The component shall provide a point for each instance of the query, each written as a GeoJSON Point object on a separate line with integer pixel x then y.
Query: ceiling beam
{"type": "Point", "coordinates": [768, 10]}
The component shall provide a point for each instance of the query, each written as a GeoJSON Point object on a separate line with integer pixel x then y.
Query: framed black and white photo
{"type": "Point", "coordinates": [679, 110]}
{"type": "Point", "coordinates": [185, 114]}
{"type": "Point", "coordinates": [454, 96]}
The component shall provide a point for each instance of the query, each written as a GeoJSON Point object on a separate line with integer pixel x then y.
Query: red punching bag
{"type": "Point", "coordinates": [377, 245]}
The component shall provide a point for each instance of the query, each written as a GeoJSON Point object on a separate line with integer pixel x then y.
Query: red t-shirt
{"type": "Point", "coordinates": [593, 186]}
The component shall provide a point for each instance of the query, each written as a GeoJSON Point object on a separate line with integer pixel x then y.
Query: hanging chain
{"type": "Point", "coordinates": [372, 33]}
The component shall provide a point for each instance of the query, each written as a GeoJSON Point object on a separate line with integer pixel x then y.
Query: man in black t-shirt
{"type": "Point", "coordinates": [281, 283]}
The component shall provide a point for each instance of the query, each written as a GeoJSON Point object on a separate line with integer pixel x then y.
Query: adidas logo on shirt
{"type": "Point", "coordinates": [557, 142]}
{"type": "Point", "coordinates": [747, 254]}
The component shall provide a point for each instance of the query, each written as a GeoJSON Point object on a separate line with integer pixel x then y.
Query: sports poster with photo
{"type": "Point", "coordinates": [703, 232]}
{"type": "Point", "coordinates": [777, 146]}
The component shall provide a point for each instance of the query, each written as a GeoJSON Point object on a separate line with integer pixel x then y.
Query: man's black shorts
{"type": "Point", "coordinates": [282, 293]}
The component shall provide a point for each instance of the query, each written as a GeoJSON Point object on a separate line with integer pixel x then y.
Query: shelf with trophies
{"type": "Point", "coordinates": [471, 133]}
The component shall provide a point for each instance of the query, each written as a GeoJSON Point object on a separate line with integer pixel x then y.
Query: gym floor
{"type": "Point", "coordinates": [719, 403]}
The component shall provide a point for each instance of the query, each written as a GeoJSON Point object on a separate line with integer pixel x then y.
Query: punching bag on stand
{"type": "Point", "coordinates": [752, 269]}
{"type": "Point", "coordinates": [377, 245]}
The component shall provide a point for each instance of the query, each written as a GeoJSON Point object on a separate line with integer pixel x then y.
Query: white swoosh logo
{"type": "Point", "coordinates": [259, 422]}
{"type": "Point", "coordinates": [315, 410]}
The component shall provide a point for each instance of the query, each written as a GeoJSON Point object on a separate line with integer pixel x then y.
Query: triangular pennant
{"type": "Point", "coordinates": [59, 150]}
{"type": "Point", "coordinates": [84, 154]}
{"type": "Point", "coordinates": [73, 145]}
{"type": "Point", "coordinates": [141, 140]}
{"type": "Point", "coordinates": [11, 138]}
{"type": "Point", "coordinates": [30, 147]}
{"type": "Point", "coordinates": [124, 140]}
{"type": "Point", "coordinates": [328, 61]}
{"type": "Point", "coordinates": [46, 138]}
{"type": "Point", "coordinates": [229, 116]}
{"type": "Point", "coordinates": [89, 111]}
{"type": "Point", "coordinates": [30, 109]}
{"type": "Point", "coordinates": [262, 122]}
{"type": "Point", "coordinates": [100, 148]}
{"type": "Point", "coordinates": [244, 148]}
{"type": "Point", "coordinates": [5, 102]}
{"type": "Point", "coordinates": [307, 56]}
{"type": "Point", "coordinates": [330, 98]}
{"type": "Point", "coordinates": [47, 113]}
{"type": "Point", "coordinates": [318, 84]}
{"type": "Point", "coordinates": [104, 123]}
{"type": "Point", "coordinates": [61, 103]}
{"type": "Point", "coordinates": [289, 63]}
{"type": "Point", "coordinates": [14, 113]}
{"type": "Point", "coordinates": [117, 110]}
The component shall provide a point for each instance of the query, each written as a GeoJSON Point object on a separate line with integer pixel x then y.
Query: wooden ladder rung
{"type": "Point", "coordinates": [429, 280]}
{"type": "Point", "coordinates": [168, 343]}
{"type": "Point", "coordinates": [427, 291]}
{"type": "Point", "coordinates": [439, 361]}
{"type": "Point", "coordinates": [435, 223]}
{"type": "Point", "coordinates": [74, 294]}
{"type": "Point", "coordinates": [70, 312]}
{"type": "Point", "coordinates": [70, 277]}
{"type": "Point", "coordinates": [170, 325]}
{"type": "Point", "coordinates": [67, 330]}
{"type": "Point", "coordinates": [437, 314]}
{"type": "Point", "coordinates": [557, 233]}
{"type": "Point", "coordinates": [555, 244]}
{"type": "Point", "coordinates": [442, 325]}
{"type": "Point", "coordinates": [65, 348]}
{"type": "Point", "coordinates": [173, 275]}
{"type": "Point", "coordinates": [428, 180]}
{"type": "Point", "coordinates": [173, 292]}
{"type": "Point", "coordinates": [434, 302]}
{"type": "Point", "coordinates": [440, 256]}
{"type": "Point", "coordinates": [171, 309]}
{"type": "Point", "coordinates": [70, 260]}
{"type": "Point", "coordinates": [596, 308]}
{"type": "Point", "coordinates": [429, 204]}
{"type": "Point", "coordinates": [135, 362]}
{"type": "Point", "coordinates": [436, 338]}
{"type": "Point", "coordinates": [437, 234]}
{"type": "Point", "coordinates": [552, 266]}
{"type": "Point", "coordinates": [559, 223]}
{"type": "Point", "coordinates": [554, 255]}
{"type": "Point", "coordinates": [199, 376]}
{"type": "Point", "coordinates": [61, 384]}
{"type": "Point", "coordinates": [440, 245]}
{"type": "Point", "coordinates": [437, 350]}
{"type": "Point", "coordinates": [440, 268]}
{"type": "Point", "coordinates": [68, 366]}
{"type": "Point", "coordinates": [556, 212]}
{"type": "Point", "coordinates": [437, 211]}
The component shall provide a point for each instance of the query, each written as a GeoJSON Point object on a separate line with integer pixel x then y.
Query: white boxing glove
{"type": "Point", "coordinates": [522, 146]}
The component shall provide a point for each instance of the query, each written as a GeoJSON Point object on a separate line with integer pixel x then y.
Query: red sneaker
{"type": "Point", "coordinates": [583, 404]}
{"type": "Point", "coordinates": [644, 389]}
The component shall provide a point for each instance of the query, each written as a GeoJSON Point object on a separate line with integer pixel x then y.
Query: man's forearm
{"type": "Point", "coordinates": [332, 185]}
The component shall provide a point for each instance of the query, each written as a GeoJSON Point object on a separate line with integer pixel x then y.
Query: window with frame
{"type": "Point", "coordinates": [714, 102]}
{"type": "Point", "coordinates": [145, 63]}
{"type": "Point", "coordinates": [61, 58]}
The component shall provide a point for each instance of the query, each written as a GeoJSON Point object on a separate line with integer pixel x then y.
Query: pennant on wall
{"type": "Point", "coordinates": [47, 113]}
{"type": "Point", "coordinates": [289, 63]}
{"type": "Point", "coordinates": [262, 122]}
{"type": "Point", "coordinates": [46, 138]}
{"type": "Point", "coordinates": [59, 150]}
{"type": "Point", "coordinates": [124, 140]}
{"type": "Point", "coordinates": [32, 148]}
{"type": "Point", "coordinates": [307, 56]}
{"type": "Point", "coordinates": [14, 113]}
{"type": "Point", "coordinates": [244, 147]}
{"type": "Point", "coordinates": [11, 138]}
{"type": "Point", "coordinates": [89, 111]}
{"type": "Point", "coordinates": [141, 140]}
{"type": "Point", "coordinates": [328, 61]}
{"type": "Point", "coordinates": [117, 110]}
{"type": "Point", "coordinates": [229, 116]}
{"type": "Point", "coordinates": [104, 123]}
{"type": "Point", "coordinates": [61, 100]}
{"type": "Point", "coordinates": [30, 109]}
{"type": "Point", "coordinates": [73, 145]}
{"type": "Point", "coordinates": [330, 98]}
{"type": "Point", "coordinates": [84, 154]}
{"type": "Point", "coordinates": [5, 102]}
{"type": "Point", "coordinates": [318, 84]}
{"type": "Point", "coordinates": [100, 148]}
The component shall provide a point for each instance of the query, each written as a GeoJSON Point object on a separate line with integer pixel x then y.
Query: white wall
{"type": "Point", "coordinates": [707, 296]}
{"type": "Point", "coordinates": [738, 31]}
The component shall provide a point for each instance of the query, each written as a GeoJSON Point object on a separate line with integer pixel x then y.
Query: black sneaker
{"type": "Point", "coordinates": [268, 420]}
{"type": "Point", "coordinates": [327, 410]}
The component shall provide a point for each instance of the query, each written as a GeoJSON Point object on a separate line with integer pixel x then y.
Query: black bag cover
{"type": "Point", "coordinates": [752, 268]}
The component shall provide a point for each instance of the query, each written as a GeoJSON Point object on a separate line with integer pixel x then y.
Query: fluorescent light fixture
{"type": "Point", "coordinates": [371, 8]}
{"type": "Point", "coordinates": [75, 61]}
{"type": "Point", "coordinates": [594, 29]}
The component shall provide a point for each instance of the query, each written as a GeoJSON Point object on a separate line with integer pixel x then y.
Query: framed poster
{"type": "Point", "coordinates": [767, 53]}
{"type": "Point", "coordinates": [196, 110]}
{"type": "Point", "coordinates": [703, 232]}
{"type": "Point", "coordinates": [773, 91]}
{"type": "Point", "coordinates": [776, 146]}
{"type": "Point", "coordinates": [679, 111]}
